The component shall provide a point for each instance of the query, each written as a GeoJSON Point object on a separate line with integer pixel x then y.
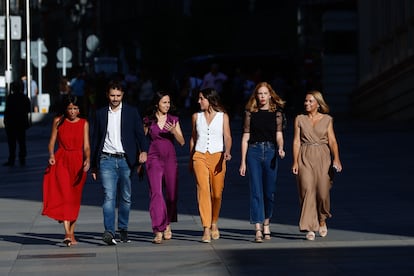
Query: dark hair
{"type": "Point", "coordinates": [17, 86]}
{"type": "Point", "coordinates": [213, 98]}
{"type": "Point", "coordinates": [152, 110]}
{"type": "Point", "coordinates": [66, 101]}
{"type": "Point", "coordinates": [64, 85]}
{"type": "Point", "coordinates": [115, 84]}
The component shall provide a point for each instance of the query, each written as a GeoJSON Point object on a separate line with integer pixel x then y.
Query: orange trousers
{"type": "Point", "coordinates": [209, 170]}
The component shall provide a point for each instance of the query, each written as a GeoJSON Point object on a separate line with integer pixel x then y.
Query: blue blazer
{"type": "Point", "coordinates": [133, 138]}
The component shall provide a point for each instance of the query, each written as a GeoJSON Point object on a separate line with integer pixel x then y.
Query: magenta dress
{"type": "Point", "coordinates": [162, 172]}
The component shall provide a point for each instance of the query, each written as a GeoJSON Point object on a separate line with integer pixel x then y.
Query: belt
{"type": "Point", "coordinates": [114, 155]}
{"type": "Point", "coordinates": [313, 144]}
{"type": "Point", "coordinates": [265, 143]}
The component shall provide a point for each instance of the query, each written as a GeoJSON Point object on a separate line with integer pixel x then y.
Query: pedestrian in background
{"type": "Point", "coordinates": [77, 88]}
{"type": "Point", "coordinates": [64, 91]}
{"type": "Point", "coordinates": [162, 128]}
{"type": "Point", "coordinates": [214, 79]}
{"type": "Point", "coordinates": [118, 145]}
{"type": "Point", "coordinates": [16, 122]}
{"type": "Point", "coordinates": [210, 146]}
{"type": "Point", "coordinates": [34, 92]}
{"type": "Point", "coordinates": [262, 143]}
{"type": "Point", "coordinates": [315, 153]}
{"type": "Point", "coordinates": [65, 176]}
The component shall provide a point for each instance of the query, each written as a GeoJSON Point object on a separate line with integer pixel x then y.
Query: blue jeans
{"type": "Point", "coordinates": [114, 171]}
{"type": "Point", "coordinates": [262, 167]}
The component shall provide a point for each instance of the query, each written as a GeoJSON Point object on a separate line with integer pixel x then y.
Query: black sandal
{"type": "Point", "coordinates": [267, 235]}
{"type": "Point", "coordinates": [67, 241]}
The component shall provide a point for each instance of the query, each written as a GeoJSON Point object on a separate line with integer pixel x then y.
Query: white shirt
{"type": "Point", "coordinates": [210, 137]}
{"type": "Point", "coordinates": [113, 142]}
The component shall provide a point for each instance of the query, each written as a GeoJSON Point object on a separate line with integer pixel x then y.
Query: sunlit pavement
{"type": "Point", "coordinates": [372, 229]}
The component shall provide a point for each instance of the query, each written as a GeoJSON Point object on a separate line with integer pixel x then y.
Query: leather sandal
{"type": "Point", "coordinates": [323, 231]}
{"type": "Point", "coordinates": [168, 233]}
{"type": "Point", "coordinates": [259, 236]}
{"type": "Point", "coordinates": [67, 241]}
{"type": "Point", "coordinates": [266, 231]}
{"type": "Point", "coordinates": [206, 235]}
{"type": "Point", "coordinates": [215, 233]}
{"type": "Point", "coordinates": [310, 236]}
{"type": "Point", "coordinates": [74, 241]}
{"type": "Point", "coordinates": [157, 238]}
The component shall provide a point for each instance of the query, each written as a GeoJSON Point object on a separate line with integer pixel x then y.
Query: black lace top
{"type": "Point", "coordinates": [263, 125]}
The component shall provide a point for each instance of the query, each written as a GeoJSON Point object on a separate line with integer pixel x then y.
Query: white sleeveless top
{"type": "Point", "coordinates": [209, 137]}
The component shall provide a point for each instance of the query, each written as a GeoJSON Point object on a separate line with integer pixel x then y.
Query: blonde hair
{"type": "Point", "coordinates": [323, 106]}
{"type": "Point", "coordinates": [275, 103]}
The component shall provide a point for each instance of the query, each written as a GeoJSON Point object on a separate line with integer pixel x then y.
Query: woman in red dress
{"type": "Point", "coordinates": [66, 174]}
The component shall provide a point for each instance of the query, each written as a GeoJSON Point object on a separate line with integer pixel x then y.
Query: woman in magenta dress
{"type": "Point", "coordinates": [162, 169]}
{"type": "Point", "coordinates": [66, 174]}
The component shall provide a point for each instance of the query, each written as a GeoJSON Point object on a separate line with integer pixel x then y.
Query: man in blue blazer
{"type": "Point", "coordinates": [118, 145]}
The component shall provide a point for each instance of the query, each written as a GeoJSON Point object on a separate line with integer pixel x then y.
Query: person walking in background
{"type": "Point", "coordinates": [16, 122]}
{"type": "Point", "coordinates": [118, 144]}
{"type": "Point", "coordinates": [77, 88]}
{"type": "Point", "coordinates": [34, 92]}
{"type": "Point", "coordinates": [315, 151]}
{"type": "Point", "coordinates": [214, 79]}
{"type": "Point", "coordinates": [210, 147]}
{"type": "Point", "coordinates": [146, 91]}
{"type": "Point", "coordinates": [64, 91]}
{"type": "Point", "coordinates": [65, 176]}
{"type": "Point", "coordinates": [262, 142]}
{"type": "Point", "coordinates": [162, 168]}
{"type": "Point", "coordinates": [189, 92]}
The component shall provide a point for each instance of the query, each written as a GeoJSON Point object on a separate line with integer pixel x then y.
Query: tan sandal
{"type": "Point", "coordinates": [74, 241]}
{"type": "Point", "coordinates": [215, 233]}
{"type": "Point", "coordinates": [259, 236]}
{"type": "Point", "coordinates": [158, 238]}
{"type": "Point", "coordinates": [206, 235]}
{"type": "Point", "coordinates": [168, 233]}
{"type": "Point", "coordinates": [310, 236]}
{"type": "Point", "coordinates": [323, 231]}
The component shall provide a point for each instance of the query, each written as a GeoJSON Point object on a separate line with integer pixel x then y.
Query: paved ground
{"type": "Point", "coordinates": [372, 231]}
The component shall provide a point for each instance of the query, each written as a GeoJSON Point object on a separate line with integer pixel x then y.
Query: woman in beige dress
{"type": "Point", "coordinates": [315, 151]}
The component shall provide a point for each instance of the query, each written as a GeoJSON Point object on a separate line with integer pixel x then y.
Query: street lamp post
{"type": "Point", "coordinates": [77, 16]}
{"type": "Point", "coordinates": [28, 67]}
{"type": "Point", "coordinates": [8, 74]}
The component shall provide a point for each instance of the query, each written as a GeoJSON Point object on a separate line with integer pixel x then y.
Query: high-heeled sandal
{"type": "Point", "coordinates": [259, 236]}
{"type": "Point", "coordinates": [206, 235]}
{"type": "Point", "coordinates": [323, 231]}
{"type": "Point", "coordinates": [310, 236]}
{"type": "Point", "coordinates": [266, 231]}
{"type": "Point", "coordinates": [168, 233]}
{"type": "Point", "coordinates": [74, 241]}
{"type": "Point", "coordinates": [157, 238]}
{"type": "Point", "coordinates": [215, 233]}
{"type": "Point", "coordinates": [67, 241]}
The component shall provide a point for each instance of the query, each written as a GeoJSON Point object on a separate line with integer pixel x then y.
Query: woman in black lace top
{"type": "Point", "coordinates": [262, 142]}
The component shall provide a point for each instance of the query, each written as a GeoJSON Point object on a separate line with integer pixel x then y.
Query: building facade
{"type": "Point", "coordinates": [386, 60]}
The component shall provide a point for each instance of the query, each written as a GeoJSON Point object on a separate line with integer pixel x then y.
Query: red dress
{"type": "Point", "coordinates": [63, 182]}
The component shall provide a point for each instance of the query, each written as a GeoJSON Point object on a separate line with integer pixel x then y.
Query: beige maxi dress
{"type": "Point", "coordinates": [314, 182]}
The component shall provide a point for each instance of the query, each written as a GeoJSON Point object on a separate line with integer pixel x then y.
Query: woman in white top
{"type": "Point", "coordinates": [210, 146]}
